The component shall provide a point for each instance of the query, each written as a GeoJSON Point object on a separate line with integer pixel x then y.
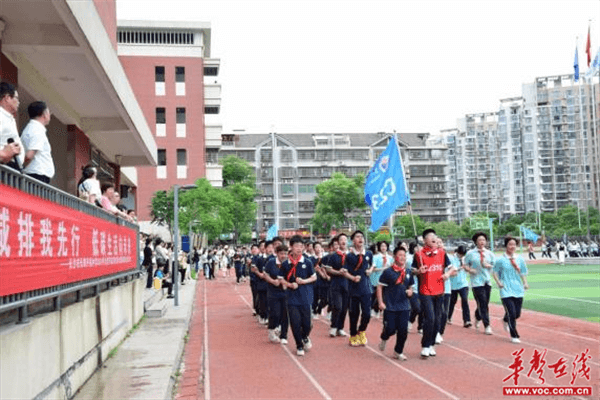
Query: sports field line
{"type": "Point", "coordinates": [557, 351]}
{"type": "Point", "coordinates": [308, 375]}
{"type": "Point", "coordinates": [563, 298]}
{"type": "Point", "coordinates": [206, 358]}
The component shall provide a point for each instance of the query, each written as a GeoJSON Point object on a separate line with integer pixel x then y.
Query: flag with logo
{"type": "Point", "coordinates": [272, 232]}
{"type": "Point", "coordinates": [385, 187]}
{"type": "Point", "coordinates": [576, 66]}
{"type": "Point", "coordinates": [595, 67]}
{"type": "Point", "coordinates": [529, 234]}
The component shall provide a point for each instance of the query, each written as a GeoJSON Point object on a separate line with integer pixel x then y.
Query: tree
{"type": "Point", "coordinates": [406, 221]}
{"type": "Point", "coordinates": [162, 212]}
{"type": "Point", "coordinates": [338, 202]}
{"type": "Point", "coordinates": [447, 229]}
{"type": "Point", "coordinates": [239, 181]}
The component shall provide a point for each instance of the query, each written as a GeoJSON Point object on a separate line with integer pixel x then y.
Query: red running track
{"type": "Point", "coordinates": [228, 356]}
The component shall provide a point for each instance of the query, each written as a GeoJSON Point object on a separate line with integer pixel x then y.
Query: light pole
{"type": "Point", "coordinates": [176, 239]}
{"type": "Point", "coordinates": [490, 224]}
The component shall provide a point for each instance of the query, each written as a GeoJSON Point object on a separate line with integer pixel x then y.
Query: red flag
{"type": "Point", "coordinates": [588, 48]}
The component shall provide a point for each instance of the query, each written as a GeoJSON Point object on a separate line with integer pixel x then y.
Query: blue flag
{"type": "Point", "coordinates": [385, 188]}
{"type": "Point", "coordinates": [576, 66]}
{"type": "Point", "coordinates": [529, 234]}
{"type": "Point", "coordinates": [272, 232]}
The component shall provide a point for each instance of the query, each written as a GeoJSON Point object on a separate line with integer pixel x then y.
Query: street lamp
{"type": "Point", "coordinates": [176, 239]}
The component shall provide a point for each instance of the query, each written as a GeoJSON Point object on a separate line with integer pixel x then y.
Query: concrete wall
{"type": "Point", "coordinates": [54, 354]}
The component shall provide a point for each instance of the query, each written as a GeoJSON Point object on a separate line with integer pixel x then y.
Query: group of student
{"type": "Point", "coordinates": [292, 285]}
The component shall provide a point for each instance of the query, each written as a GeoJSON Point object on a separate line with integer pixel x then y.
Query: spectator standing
{"type": "Point", "coordinates": [88, 187]}
{"type": "Point", "coordinates": [9, 105]}
{"type": "Point", "coordinates": [531, 250]}
{"type": "Point", "coordinates": [38, 161]}
{"type": "Point", "coordinates": [148, 262]}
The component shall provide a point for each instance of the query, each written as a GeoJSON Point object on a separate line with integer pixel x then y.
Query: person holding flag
{"type": "Point", "coordinates": [510, 275]}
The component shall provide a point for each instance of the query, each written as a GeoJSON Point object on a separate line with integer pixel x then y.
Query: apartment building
{"type": "Point", "coordinates": [170, 70]}
{"type": "Point", "coordinates": [288, 168]}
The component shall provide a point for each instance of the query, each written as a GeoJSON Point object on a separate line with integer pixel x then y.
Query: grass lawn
{"type": "Point", "coordinates": [569, 290]}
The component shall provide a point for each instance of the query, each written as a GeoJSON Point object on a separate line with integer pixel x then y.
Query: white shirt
{"type": "Point", "coordinates": [34, 138]}
{"type": "Point", "coordinates": [8, 129]}
{"type": "Point", "coordinates": [91, 186]}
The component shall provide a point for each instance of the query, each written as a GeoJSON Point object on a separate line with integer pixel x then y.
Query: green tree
{"type": "Point", "coordinates": [338, 202]}
{"type": "Point", "coordinates": [447, 229]}
{"type": "Point", "coordinates": [406, 221]}
{"type": "Point", "coordinates": [239, 181]}
{"type": "Point", "coordinates": [162, 211]}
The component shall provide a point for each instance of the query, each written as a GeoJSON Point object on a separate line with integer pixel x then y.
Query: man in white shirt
{"type": "Point", "coordinates": [9, 104]}
{"type": "Point", "coordinates": [38, 156]}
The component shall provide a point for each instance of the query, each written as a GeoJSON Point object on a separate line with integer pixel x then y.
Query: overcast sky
{"type": "Point", "coordinates": [370, 66]}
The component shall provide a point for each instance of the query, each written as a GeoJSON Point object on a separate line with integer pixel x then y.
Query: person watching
{"type": "Point", "coordinates": [9, 105]}
{"type": "Point", "coordinates": [38, 161]}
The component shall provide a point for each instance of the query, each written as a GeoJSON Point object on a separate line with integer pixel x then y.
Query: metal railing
{"type": "Point", "coordinates": [21, 301]}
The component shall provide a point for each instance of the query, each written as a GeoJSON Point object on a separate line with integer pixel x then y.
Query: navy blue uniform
{"type": "Point", "coordinates": [276, 299]}
{"type": "Point", "coordinates": [299, 300]}
{"type": "Point", "coordinates": [321, 287]}
{"type": "Point", "coordinates": [261, 287]}
{"type": "Point", "coordinates": [253, 281]}
{"type": "Point", "coordinates": [397, 305]}
{"type": "Point", "coordinates": [338, 292]}
{"type": "Point", "coordinates": [359, 292]}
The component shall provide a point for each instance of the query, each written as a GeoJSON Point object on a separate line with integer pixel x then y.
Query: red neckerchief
{"type": "Point", "coordinates": [402, 271]}
{"type": "Point", "coordinates": [384, 261]}
{"type": "Point", "coordinates": [481, 256]}
{"type": "Point", "coordinates": [294, 262]}
{"type": "Point", "coordinates": [319, 262]}
{"type": "Point", "coordinates": [514, 263]}
{"type": "Point", "coordinates": [429, 252]}
{"type": "Point", "coordinates": [343, 256]}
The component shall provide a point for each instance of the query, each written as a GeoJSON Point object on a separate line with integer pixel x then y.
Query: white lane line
{"type": "Point", "coordinates": [206, 358]}
{"type": "Point", "coordinates": [308, 375]}
{"type": "Point", "coordinates": [563, 298]}
{"type": "Point", "coordinates": [558, 352]}
{"type": "Point", "coordinates": [547, 329]}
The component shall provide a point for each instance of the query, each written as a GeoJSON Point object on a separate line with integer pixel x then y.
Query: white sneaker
{"type": "Point", "coordinates": [425, 352]}
{"type": "Point", "coordinates": [432, 351]}
{"type": "Point", "coordinates": [307, 344]}
{"type": "Point", "coordinates": [382, 345]}
{"type": "Point", "coordinates": [278, 330]}
{"type": "Point", "coordinates": [300, 352]}
{"type": "Point", "coordinates": [409, 327]}
{"type": "Point", "coordinates": [488, 330]}
{"type": "Point", "coordinates": [340, 332]}
{"type": "Point", "coordinates": [477, 323]}
{"type": "Point", "coordinates": [515, 340]}
{"type": "Point", "coordinates": [438, 338]}
{"type": "Point", "coordinates": [400, 357]}
{"type": "Point", "coordinates": [284, 341]}
{"type": "Point", "coordinates": [449, 321]}
{"type": "Point", "coordinates": [506, 326]}
{"type": "Point", "coordinates": [273, 336]}
{"type": "Point", "coordinates": [333, 332]}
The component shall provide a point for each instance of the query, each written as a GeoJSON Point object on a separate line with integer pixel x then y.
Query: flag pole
{"type": "Point", "coordinates": [409, 206]}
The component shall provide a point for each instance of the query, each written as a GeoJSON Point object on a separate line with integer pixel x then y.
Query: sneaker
{"type": "Point", "coordinates": [449, 321]}
{"type": "Point", "coordinates": [362, 338]}
{"type": "Point", "coordinates": [400, 357]}
{"type": "Point", "coordinates": [515, 340]}
{"type": "Point", "coordinates": [333, 332]}
{"type": "Point", "coordinates": [278, 330]}
{"type": "Point", "coordinates": [432, 351]}
{"type": "Point", "coordinates": [468, 324]}
{"type": "Point", "coordinates": [488, 330]}
{"type": "Point", "coordinates": [329, 316]}
{"type": "Point", "coordinates": [409, 327]}
{"type": "Point", "coordinates": [420, 331]}
{"type": "Point", "coordinates": [506, 326]}
{"type": "Point", "coordinates": [273, 336]}
{"type": "Point", "coordinates": [284, 341]}
{"type": "Point", "coordinates": [425, 352]}
{"type": "Point", "coordinates": [340, 332]}
{"type": "Point", "coordinates": [307, 344]}
{"type": "Point", "coordinates": [300, 352]}
{"type": "Point", "coordinates": [477, 323]}
{"type": "Point", "coordinates": [438, 338]}
{"type": "Point", "coordinates": [382, 345]}
{"type": "Point", "coordinates": [354, 341]}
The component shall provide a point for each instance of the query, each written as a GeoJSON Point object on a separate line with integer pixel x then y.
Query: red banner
{"type": "Point", "coordinates": [43, 244]}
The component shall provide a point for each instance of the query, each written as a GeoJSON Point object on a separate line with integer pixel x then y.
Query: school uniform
{"type": "Point", "coordinates": [359, 292]}
{"type": "Point", "coordinates": [380, 261]}
{"type": "Point", "coordinates": [276, 299]}
{"type": "Point", "coordinates": [445, 301]}
{"type": "Point", "coordinates": [299, 300]}
{"type": "Point", "coordinates": [480, 282]}
{"type": "Point", "coordinates": [459, 285]}
{"type": "Point", "coordinates": [253, 281]}
{"type": "Point", "coordinates": [261, 287]}
{"type": "Point", "coordinates": [321, 287]}
{"type": "Point", "coordinates": [237, 262]}
{"type": "Point", "coordinates": [397, 305]}
{"type": "Point", "coordinates": [415, 303]}
{"type": "Point", "coordinates": [338, 291]}
{"type": "Point", "coordinates": [431, 291]}
{"type": "Point", "coordinates": [513, 291]}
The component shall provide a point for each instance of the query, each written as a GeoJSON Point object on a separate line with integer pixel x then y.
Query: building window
{"type": "Point", "coordinates": [181, 164]}
{"type": "Point", "coordinates": [159, 81]}
{"type": "Point", "coordinates": [161, 127]}
{"type": "Point", "coordinates": [211, 110]}
{"type": "Point", "coordinates": [181, 115]}
{"type": "Point", "coordinates": [161, 158]}
{"type": "Point", "coordinates": [180, 81]}
{"type": "Point", "coordinates": [180, 130]}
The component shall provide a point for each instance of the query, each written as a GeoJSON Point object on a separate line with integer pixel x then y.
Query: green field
{"type": "Point", "coordinates": [569, 290]}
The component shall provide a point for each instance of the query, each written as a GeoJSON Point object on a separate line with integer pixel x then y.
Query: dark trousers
{"type": "Point", "coordinates": [512, 308]}
{"type": "Point", "coordinates": [238, 274]}
{"type": "Point", "coordinates": [300, 322]}
{"type": "Point", "coordinates": [278, 315]}
{"type": "Point", "coordinates": [323, 298]}
{"type": "Point", "coordinates": [150, 276]}
{"type": "Point", "coordinates": [464, 303]}
{"type": "Point", "coordinates": [415, 309]}
{"type": "Point", "coordinates": [41, 178]}
{"type": "Point", "coordinates": [431, 307]}
{"type": "Point", "coordinates": [532, 256]}
{"type": "Point", "coordinates": [168, 285]}
{"type": "Point", "coordinates": [396, 323]}
{"type": "Point", "coordinates": [315, 303]}
{"type": "Point", "coordinates": [254, 296]}
{"type": "Point", "coordinates": [338, 300]}
{"type": "Point", "coordinates": [360, 306]}
{"type": "Point", "coordinates": [444, 318]}
{"type": "Point", "coordinates": [262, 304]}
{"type": "Point", "coordinates": [482, 298]}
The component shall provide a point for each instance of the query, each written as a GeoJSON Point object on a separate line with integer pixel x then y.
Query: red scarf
{"type": "Point", "coordinates": [294, 262]}
{"type": "Point", "coordinates": [384, 261]}
{"type": "Point", "coordinates": [429, 252]}
{"type": "Point", "coordinates": [481, 257]}
{"type": "Point", "coordinates": [343, 256]}
{"type": "Point", "coordinates": [359, 263]}
{"type": "Point", "coordinates": [402, 271]}
{"type": "Point", "coordinates": [514, 264]}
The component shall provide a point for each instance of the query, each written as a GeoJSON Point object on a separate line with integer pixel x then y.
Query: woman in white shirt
{"type": "Point", "coordinates": [88, 187]}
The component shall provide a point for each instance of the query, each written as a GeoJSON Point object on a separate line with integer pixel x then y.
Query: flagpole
{"type": "Point", "coordinates": [409, 206]}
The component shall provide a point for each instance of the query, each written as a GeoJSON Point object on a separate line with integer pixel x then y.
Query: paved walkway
{"type": "Point", "coordinates": [146, 363]}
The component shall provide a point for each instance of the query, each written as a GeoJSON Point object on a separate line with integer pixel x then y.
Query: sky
{"type": "Point", "coordinates": [351, 66]}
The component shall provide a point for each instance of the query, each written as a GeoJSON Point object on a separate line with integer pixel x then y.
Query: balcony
{"type": "Point", "coordinates": [212, 94]}
{"type": "Point", "coordinates": [213, 136]}
{"type": "Point", "coordinates": [214, 174]}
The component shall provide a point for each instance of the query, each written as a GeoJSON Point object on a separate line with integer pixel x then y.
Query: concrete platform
{"type": "Point", "coordinates": [145, 364]}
